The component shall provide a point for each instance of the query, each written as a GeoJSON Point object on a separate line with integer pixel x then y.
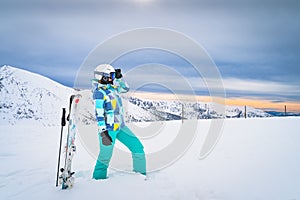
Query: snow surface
{"type": "Point", "coordinates": [255, 158]}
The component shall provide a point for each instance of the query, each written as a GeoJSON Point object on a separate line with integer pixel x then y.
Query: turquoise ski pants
{"type": "Point", "coordinates": [127, 137]}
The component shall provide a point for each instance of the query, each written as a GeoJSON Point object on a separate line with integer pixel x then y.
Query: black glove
{"type": "Point", "coordinates": [106, 139]}
{"type": "Point", "coordinates": [118, 73]}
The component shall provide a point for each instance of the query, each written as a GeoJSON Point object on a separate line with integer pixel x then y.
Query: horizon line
{"type": "Point", "coordinates": [263, 104]}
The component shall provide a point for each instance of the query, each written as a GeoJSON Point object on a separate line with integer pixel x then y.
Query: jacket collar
{"type": "Point", "coordinates": [106, 86]}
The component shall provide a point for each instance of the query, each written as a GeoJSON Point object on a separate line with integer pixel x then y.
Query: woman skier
{"type": "Point", "coordinates": [110, 117]}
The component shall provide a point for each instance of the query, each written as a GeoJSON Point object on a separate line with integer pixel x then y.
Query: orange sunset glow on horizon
{"type": "Point", "coordinates": [255, 103]}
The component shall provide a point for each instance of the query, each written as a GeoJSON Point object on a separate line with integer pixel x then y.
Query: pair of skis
{"type": "Point", "coordinates": [65, 175]}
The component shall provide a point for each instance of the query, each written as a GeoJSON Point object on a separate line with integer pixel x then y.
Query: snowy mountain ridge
{"type": "Point", "coordinates": [29, 96]}
{"type": "Point", "coordinates": [26, 96]}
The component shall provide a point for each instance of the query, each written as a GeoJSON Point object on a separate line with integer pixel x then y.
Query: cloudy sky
{"type": "Point", "coordinates": [255, 44]}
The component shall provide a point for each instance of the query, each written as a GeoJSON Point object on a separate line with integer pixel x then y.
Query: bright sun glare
{"type": "Point", "coordinates": [142, 1]}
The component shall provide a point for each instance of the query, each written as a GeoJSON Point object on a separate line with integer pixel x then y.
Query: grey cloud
{"type": "Point", "coordinates": [254, 39]}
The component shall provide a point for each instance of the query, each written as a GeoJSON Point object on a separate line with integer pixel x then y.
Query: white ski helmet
{"type": "Point", "coordinates": [103, 70]}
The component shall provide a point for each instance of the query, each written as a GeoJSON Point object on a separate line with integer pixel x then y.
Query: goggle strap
{"type": "Point", "coordinates": [102, 74]}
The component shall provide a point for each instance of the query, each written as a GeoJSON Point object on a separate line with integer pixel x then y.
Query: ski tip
{"type": "Point", "coordinates": [76, 100]}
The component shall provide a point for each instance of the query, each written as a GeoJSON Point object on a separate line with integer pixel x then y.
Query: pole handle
{"type": "Point", "coordinates": [63, 118]}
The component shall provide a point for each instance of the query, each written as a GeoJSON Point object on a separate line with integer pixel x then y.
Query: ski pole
{"type": "Point", "coordinates": [63, 123]}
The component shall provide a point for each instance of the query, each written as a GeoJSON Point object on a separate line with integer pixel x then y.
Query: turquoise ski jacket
{"type": "Point", "coordinates": [108, 105]}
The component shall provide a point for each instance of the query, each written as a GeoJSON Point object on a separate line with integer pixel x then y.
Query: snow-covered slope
{"type": "Point", "coordinates": [254, 159]}
{"type": "Point", "coordinates": [28, 96]}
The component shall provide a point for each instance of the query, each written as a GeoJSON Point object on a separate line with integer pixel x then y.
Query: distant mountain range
{"type": "Point", "coordinates": [31, 98]}
{"type": "Point", "coordinates": [172, 110]}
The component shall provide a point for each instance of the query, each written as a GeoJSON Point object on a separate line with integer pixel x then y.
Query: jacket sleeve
{"type": "Point", "coordinates": [99, 98]}
{"type": "Point", "coordinates": [122, 85]}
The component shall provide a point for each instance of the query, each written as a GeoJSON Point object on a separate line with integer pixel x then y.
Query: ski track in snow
{"type": "Point", "coordinates": [254, 159]}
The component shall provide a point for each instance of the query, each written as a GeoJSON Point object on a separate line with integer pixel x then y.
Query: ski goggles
{"type": "Point", "coordinates": [111, 75]}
